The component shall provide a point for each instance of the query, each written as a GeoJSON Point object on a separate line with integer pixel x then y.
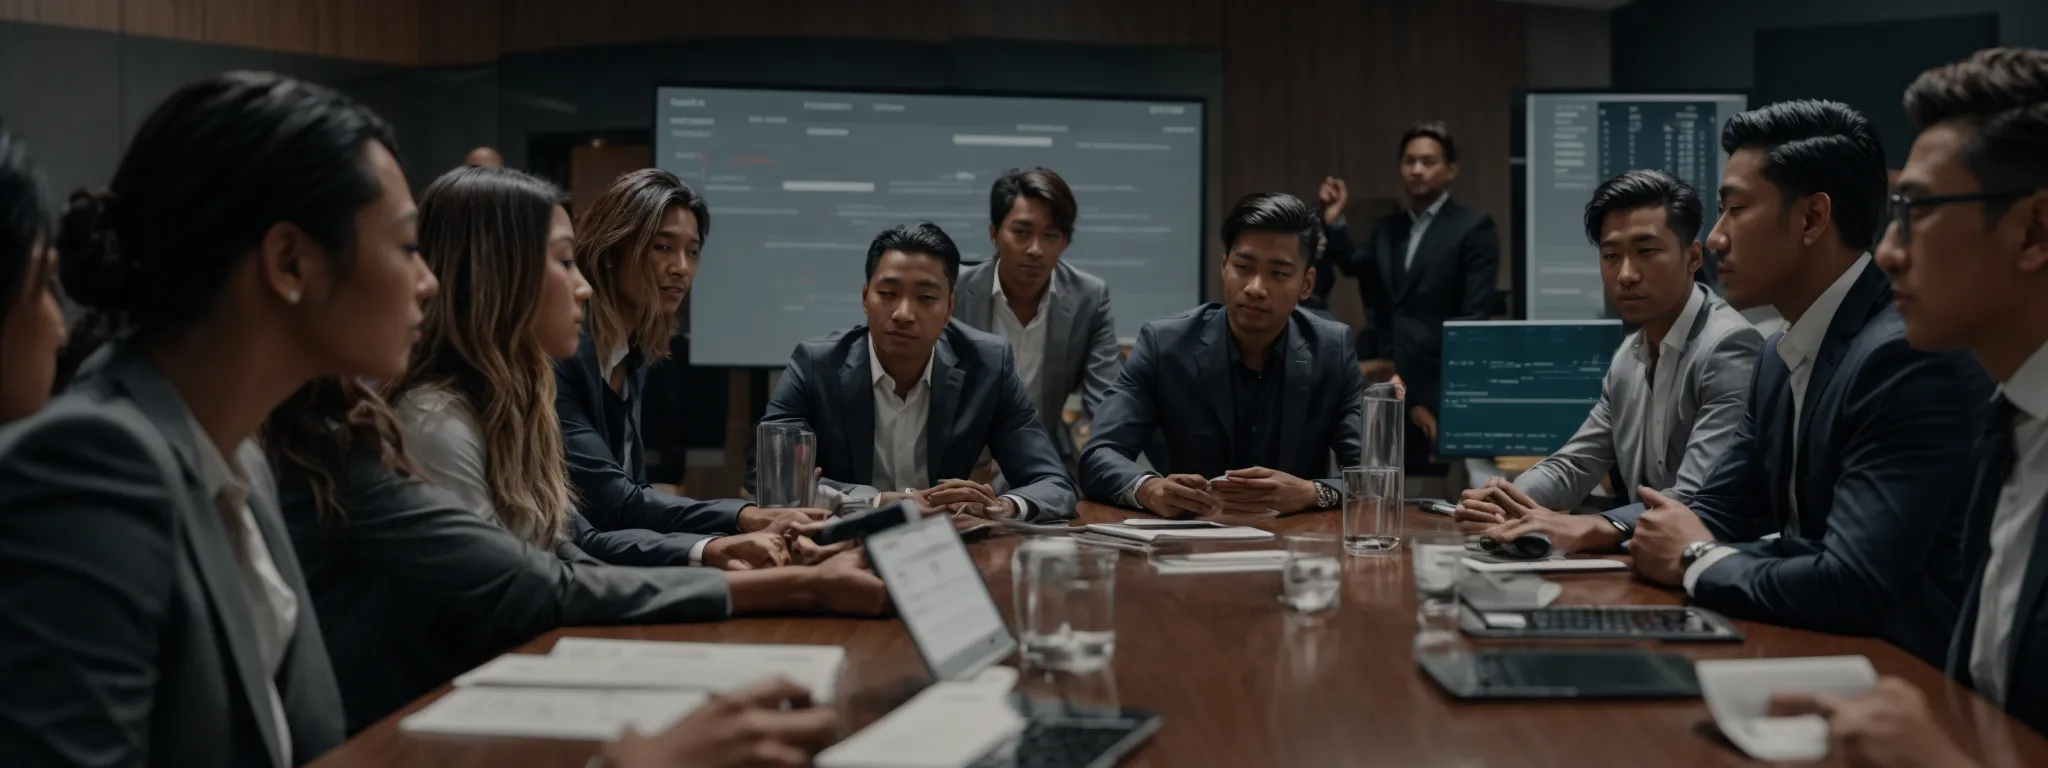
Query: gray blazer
{"type": "Point", "coordinates": [1080, 340]}
{"type": "Point", "coordinates": [416, 589]}
{"type": "Point", "coordinates": [1710, 397]}
{"type": "Point", "coordinates": [127, 637]}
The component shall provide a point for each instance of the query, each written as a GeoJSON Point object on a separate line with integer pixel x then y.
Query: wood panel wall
{"type": "Point", "coordinates": [386, 31]}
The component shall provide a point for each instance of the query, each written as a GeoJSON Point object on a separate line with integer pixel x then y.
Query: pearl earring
{"type": "Point", "coordinates": [292, 298]}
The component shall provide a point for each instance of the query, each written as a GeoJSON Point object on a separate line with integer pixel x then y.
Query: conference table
{"type": "Point", "coordinates": [1242, 681]}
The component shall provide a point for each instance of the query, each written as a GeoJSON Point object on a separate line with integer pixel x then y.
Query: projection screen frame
{"type": "Point", "coordinates": [1125, 336]}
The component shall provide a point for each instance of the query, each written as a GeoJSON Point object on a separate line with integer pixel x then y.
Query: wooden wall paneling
{"type": "Point", "coordinates": [369, 30]}
{"type": "Point", "coordinates": [460, 31]}
{"type": "Point", "coordinates": [279, 25]}
{"type": "Point", "coordinates": [104, 15]}
{"type": "Point", "coordinates": [1179, 23]}
{"type": "Point", "coordinates": [179, 19]}
{"type": "Point", "coordinates": [531, 25]}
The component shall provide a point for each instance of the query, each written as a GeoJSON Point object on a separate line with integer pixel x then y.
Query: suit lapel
{"type": "Point", "coordinates": [1774, 418]}
{"type": "Point", "coordinates": [1294, 405]}
{"type": "Point", "coordinates": [938, 425]}
{"type": "Point", "coordinates": [1393, 252]}
{"type": "Point", "coordinates": [1426, 251]}
{"type": "Point", "coordinates": [1212, 368]}
{"type": "Point", "coordinates": [207, 540]}
{"type": "Point", "coordinates": [1868, 296]}
{"type": "Point", "coordinates": [856, 390]}
{"type": "Point", "coordinates": [977, 299]}
{"type": "Point", "coordinates": [1053, 372]}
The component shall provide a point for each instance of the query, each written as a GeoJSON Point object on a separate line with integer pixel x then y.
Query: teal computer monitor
{"type": "Point", "coordinates": [1520, 387]}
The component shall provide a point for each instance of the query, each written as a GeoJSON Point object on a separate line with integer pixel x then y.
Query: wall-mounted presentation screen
{"type": "Point", "coordinates": [1575, 142]}
{"type": "Point", "coordinates": [799, 183]}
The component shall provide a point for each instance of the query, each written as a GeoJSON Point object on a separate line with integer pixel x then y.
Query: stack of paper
{"type": "Point", "coordinates": [952, 724]}
{"type": "Point", "coordinates": [1146, 530]}
{"type": "Point", "coordinates": [1739, 691]}
{"type": "Point", "coordinates": [591, 688]}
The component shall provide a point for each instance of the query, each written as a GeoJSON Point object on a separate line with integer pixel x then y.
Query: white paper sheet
{"type": "Point", "coordinates": [1548, 565]}
{"type": "Point", "coordinates": [715, 667]}
{"type": "Point", "coordinates": [1739, 691]}
{"type": "Point", "coordinates": [949, 725]}
{"type": "Point", "coordinates": [551, 713]}
{"type": "Point", "coordinates": [1142, 533]}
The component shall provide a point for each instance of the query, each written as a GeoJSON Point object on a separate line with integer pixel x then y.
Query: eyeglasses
{"type": "Point", "coordinates": [1902, 206]}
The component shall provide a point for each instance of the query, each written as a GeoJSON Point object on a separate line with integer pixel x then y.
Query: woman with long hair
{"type": "Point", "coordinates": [438, 537]}
{"type": "Point", "coordinates": [639, 244]}
{"type": "Point", "coordinates": [31, 321]}
{"type": "Point", "coordinates": [257, 235]}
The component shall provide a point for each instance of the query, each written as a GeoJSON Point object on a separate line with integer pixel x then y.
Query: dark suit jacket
{"type": "Point", "coordinates": [1453, 276]}
{"type": "Point", "coordinates": [415, 589]}
{"type": "Point", "coordinates": [126, 637]}
{"type": "Point", "coordinates": [2026, 680]}
{"type": "Point", "coordinates": [596, 431]}
{"type": "Point", "coordinates": [977, 402]}
{"type": "Point", "coordinates": [1178, 382]}
{"type": "Point", "coordinates": [1885, 432]}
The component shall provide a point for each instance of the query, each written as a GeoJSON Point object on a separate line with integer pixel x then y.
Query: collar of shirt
{"type": "Point", "coordinates": [877, 376]}
{"type": "Point", "coordinates": [1043, 300]}
{"type": "Point", "coordinates": [1273, 358]}
{"type": "Point", "coordinates": [612, 359]}
{"type": "Point", "coordinates": [221, 478]}
{"type": "Point", "coordinates": [1429, 213]}
{"type": "Point", "coordinates": [1802, 341]}
{"type": "Point", "coordinates": [1674, 339]}
{"type": "Point", "coordinates": [2028, 387]}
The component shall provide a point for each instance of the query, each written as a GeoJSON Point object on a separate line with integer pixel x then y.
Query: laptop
{"type": "Point", "coordinates": [959, 632]}
{"type": "Point", "coordinates": [1562, 674]}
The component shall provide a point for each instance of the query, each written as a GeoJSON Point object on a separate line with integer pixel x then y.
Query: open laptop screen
{"type": "Point", "coordinates": [941, 597]}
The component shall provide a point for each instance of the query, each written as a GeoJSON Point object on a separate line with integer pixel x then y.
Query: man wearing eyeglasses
{"type": "Point", "coordinates": [1968, 257]}
{"type": "Point", "coordinates": [1829, 509]}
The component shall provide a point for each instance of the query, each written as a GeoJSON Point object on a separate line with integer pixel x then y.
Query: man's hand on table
{"type": "Point", "coordinates": [1178, 496]}
{"type": "Point", "coordinates": [959, 497]}
{"type": "Point", "coordinates": [1661, 536]}
{"type": "Point", "coordinates": [845, 585]}
{"type": "Point", "coordinates": [1259, 490]}
{"type": "Point", "coordinates": [1891, 726]}
{"type": "Point", "coordinates": [746, 551]}
{"type": "Point", "coordinates": [1496, 502]}
{"type": "Point", "coordinates": [757, 518]}
{"type": "Point", "coordinates": [1500, 511]}
{"type": "Point", "coordinates": [772, 724]}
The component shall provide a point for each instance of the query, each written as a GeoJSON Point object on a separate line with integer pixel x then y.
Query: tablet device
{"type": "Point", "coordinates": [1550, 674]}
{"type": "Point", "coordinates": [941, 597]}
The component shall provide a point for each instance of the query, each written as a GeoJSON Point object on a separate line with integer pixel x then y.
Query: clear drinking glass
{"type": "Point", "coordinates": [1372, 510]}
{"type": "Point", "coordinates": [1439, 560]}
{"type": "Point", "coordinates": [1313, 573]}
{"type": "Point", "coordinates": [1384, 430]}
{"type": "Point", "coordinates": [1066, 604]}
{"type": "Point", "coordinates": [785, 460]}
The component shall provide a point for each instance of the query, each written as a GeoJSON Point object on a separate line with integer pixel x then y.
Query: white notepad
{"type": "Point", "coordinates": [1136, 531]}
{"type": "Point", "coordinates": [1739, 691]}
{"type": "Point", "coordinates": [551, 713]}
{"type": "Point", "coordinates": [1546, 565]}
{"type": "Point", "coordinates": [949, 725]}
{"type": "Point", "coordinates": [1254, 561]}
{"type": "Point", "coordinates": [713, 667]}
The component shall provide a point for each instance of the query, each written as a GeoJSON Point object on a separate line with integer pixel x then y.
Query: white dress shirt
{"type": "Point", "coordinates": [1027, 340]}
{"type": "Point", "coordinates": [901, 461]}
{"type": "Point", "coordinates": [1799, 348]}
{"type": "Point", "coordinates": [273, 606]}
{"type": "Point", "coordinates": [1651, 458]}
{"type": "Point", "coordinates": [1419, 224]}
{"type": "Point", "coordinates": [2013, 525]}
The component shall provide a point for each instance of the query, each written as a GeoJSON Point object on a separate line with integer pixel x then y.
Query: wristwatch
{"type": "Point", "coordinates": [1327, 497]}
{"type": "Point", "coordinates": [1694, 551]}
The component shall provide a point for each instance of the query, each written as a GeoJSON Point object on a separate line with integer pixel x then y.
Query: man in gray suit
{"type": "Point", "coordinates": [1253, 396]}
{"type": "Point", "coordinates": [905, 404]}
{"type": "Point", "coordinates": [1677, 388]}
{"type": "Point", "coordinates": [1056, 317]}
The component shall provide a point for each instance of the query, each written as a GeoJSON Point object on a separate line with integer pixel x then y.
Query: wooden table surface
{"type": "Point", "coordinates": [1242, 682]}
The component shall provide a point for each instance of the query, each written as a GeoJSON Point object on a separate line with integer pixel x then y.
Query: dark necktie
{"type": "Point", "coordinates": [1995, 465]}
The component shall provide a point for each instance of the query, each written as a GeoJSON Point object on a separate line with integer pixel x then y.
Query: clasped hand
{"type": "Point", "coordinates": [1257, 490]}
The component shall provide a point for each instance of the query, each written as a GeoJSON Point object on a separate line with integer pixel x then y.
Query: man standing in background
{"type": "Point", "coordinates": [1055, 317]}
{"type": "Point", "coordinates": [1435, 261]}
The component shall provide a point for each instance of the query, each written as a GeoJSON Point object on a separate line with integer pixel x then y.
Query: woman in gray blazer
{"type": "Point", "coordinates": [256, 236]}
{"type": "Point", "coordinates": [416, 583]}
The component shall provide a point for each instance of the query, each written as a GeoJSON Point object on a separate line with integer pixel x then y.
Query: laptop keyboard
{"type": "Point", "coordinates": [1066, 744]}
{"type": "Point", "coordinates": [1609, 620]}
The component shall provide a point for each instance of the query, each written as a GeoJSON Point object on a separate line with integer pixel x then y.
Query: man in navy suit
{"type": "Point", "coordinates": [1829, 509]}
{"type": "Point", "coordinates": [905, 404]}
{"type": "Point", "coordinates": [1253, 396]}
{"type": "Point", "coordinates": [1968, 256]}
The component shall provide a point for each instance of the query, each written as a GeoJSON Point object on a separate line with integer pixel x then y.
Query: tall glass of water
{"type": "Point", "coordinates": [1383, 433]}
{"type": "Point", "coordinates": [785, 460]}
{"type": "Point", "coordinates": [1372, 510]}
{"type": "Point", "coordinates": [1439, 560]}
{"type": "Point", "coordinates": [1312, 574]}
{"type": "Point", "coordinates": [1065, 597]}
